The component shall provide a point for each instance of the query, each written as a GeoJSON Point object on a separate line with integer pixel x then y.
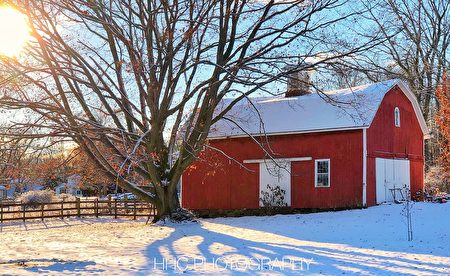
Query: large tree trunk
{"type": "Point", "coordinates": [168, 206]}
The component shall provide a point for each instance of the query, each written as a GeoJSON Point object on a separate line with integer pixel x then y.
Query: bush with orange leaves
{"type": "Point", "coordinates": [443, 122]}
{"type": "Point", "coordinates": [438, 177]}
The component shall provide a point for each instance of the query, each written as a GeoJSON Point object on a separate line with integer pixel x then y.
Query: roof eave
{"type": "Point", "coordinates": [288, 132]}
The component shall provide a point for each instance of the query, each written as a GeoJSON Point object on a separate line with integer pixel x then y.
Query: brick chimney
{"type": "Point", "coordinates": [298, 82]}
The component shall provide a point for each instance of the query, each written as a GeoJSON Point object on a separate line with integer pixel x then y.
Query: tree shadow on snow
{"type": "Point", "coordinates": [218, 245]}
{"type": "Point", "coordinates": [55, 265]}
{"type": "Point", "coordinates": [41, 225]}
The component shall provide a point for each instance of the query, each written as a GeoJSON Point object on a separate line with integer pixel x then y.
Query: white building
{"type": "Point", "coordinates": [72, 186]}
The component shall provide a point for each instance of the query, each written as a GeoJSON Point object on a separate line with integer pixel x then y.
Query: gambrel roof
{"type": "Point", "coordinates": [351, 108]}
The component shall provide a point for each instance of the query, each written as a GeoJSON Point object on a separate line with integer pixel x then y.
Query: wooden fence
{"type": "Point", "coordinates": [11, 211]}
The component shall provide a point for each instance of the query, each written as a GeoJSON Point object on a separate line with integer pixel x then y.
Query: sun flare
{"type": "Point", "coordinates": [14, 31]}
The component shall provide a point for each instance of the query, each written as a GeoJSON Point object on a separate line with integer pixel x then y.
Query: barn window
{"type": "Point", "coordinates": [322, 173]}
{"type": "Point", "coordinates": [397, 117]}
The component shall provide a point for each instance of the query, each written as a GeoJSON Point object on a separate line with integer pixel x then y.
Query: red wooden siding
{"type": "Point", "coordinates": [384, 140]}
{"type": "Point", "coordinates": [219, 183]}
{"type": "Point", "coordinates": [214, 182]}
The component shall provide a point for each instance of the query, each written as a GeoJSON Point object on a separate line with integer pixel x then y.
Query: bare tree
{"type": "Point", "coordinates": [16, 159]}
{"type": "Point", "coordinates": [10, 158]}
{"type": "Point", "coordinates": [340, 75]}
{"type": "Point", "coordinates": [136, 83]}
{"type": "Point", "coordinates": [23, 161]}
{"type": "Point", "coordinates": [417, 39]}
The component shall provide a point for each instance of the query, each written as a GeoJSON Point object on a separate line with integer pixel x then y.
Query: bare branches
{"type": "Point", "coordinates": [126, 80]}
{"type": "Point", "coordinates": [417, 38]}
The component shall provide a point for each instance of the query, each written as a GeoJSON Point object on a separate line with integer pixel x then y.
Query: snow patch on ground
{"type": "Point", "coordinates": [372, 241]}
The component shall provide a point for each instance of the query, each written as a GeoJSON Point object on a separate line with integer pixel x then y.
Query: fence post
{"type": "Point", "coordinates": [96, 207]}
{"type": "Point", "coordinates": [23, 211]}
{"type": "Point", "coordinates": [134, 209]}
{"type": "Point", "coordinates": [62, 209]}
{"type": "Point", "coordinates": [78, 205]}
{"type": "Point", "coordinates": [115, 208]}
{"type": "Point", "coordinates": [1, 212]}
{"type": "Point", "coordinates": [42, 211]}
{"type": "Point", "coordinates": [125, 198]}
{"type": "Point", "coordinates": [109, 204]}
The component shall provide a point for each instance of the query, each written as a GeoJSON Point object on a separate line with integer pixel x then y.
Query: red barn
{"type": "Point", "coordinates": [353, 147]}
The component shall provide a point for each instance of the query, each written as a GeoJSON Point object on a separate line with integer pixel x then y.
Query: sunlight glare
{"type": "Point", "coordinates": [14, 31]}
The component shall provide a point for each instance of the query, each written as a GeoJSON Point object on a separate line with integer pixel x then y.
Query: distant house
{"type": "Point", "coordinates": [3, 192]}
{"type": "Point", "coordinates": [360, 149]}
{"type": "Point", "coordinates": [72, 186]}
{"type": "Point", "coordinates": [30, 187]}
{"type": "Point", "coordinates": [17, 186]}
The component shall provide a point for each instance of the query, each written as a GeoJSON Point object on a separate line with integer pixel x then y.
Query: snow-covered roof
{"type": "Point", "coordinates": [351, 108]}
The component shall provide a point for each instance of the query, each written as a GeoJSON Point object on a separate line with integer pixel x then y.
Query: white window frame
{"type": "Point", "coordinates": [397, 117]}
{"type": "Point", "coordinates": [316, 161]}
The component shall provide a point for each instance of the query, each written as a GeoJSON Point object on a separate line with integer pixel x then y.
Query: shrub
{"type": "Point", "coordinates": [272, 199]}
{"type": "Point", "coordinates": [437, 180]}
{"type": "Point", "coordinates": [35, 198]}
{"type": "Point", "coordinates": [66, 197]}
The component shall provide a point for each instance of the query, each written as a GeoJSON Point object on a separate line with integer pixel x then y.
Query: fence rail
{"type": "Point", "coordinates": [12, 211]}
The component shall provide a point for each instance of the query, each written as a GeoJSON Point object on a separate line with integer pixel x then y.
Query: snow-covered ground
{"type": "Point", "coordinates": [368, 242]}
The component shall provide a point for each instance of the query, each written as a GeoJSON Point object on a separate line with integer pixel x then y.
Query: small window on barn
{"type": "Point", "coordinates": [397, 117]}
{"type": "Point", "coordinates": [322, 173]}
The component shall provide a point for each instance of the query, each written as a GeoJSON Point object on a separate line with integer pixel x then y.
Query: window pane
{"type": "Point", "coordinates": [397, 117]}
{"type": "Point", "coordinates": [322, 167]}
{"type": "Point", "coordinates": [322, 180]}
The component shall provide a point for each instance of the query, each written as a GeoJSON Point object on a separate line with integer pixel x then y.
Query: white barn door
{"type": "Point", "coordinates": [275, 175]}
{"type": "Point", "coordinates": [392, 175]}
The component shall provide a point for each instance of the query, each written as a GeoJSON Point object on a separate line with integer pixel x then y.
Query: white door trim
{"type": "Point", "coordinates": [294, 159]}
{"type": "Point", "coordinates": [364, 179]}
